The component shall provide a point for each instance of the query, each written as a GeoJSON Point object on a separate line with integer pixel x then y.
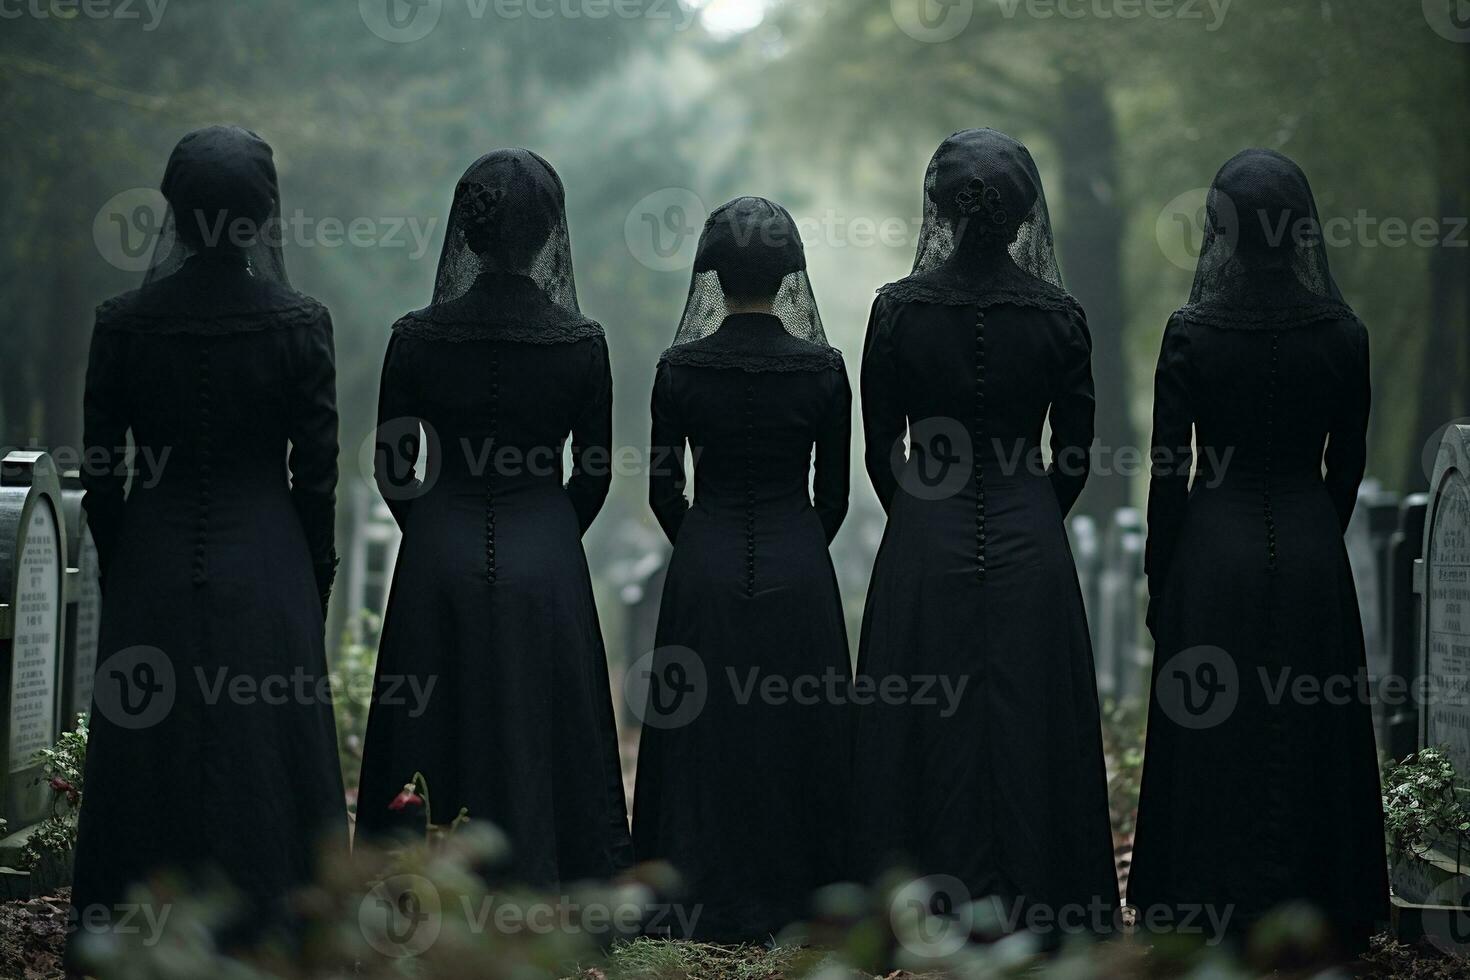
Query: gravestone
{"type": "Point", "coordinates": [83, 606]}
{"type": "Point", "coordinates": [1442, 649]}
{"type": "Point", "coordinates": [1087, 555]}
{"type": "Point", "coordinates": [1443, 578]}
{"type": "Point", "coordinates": [372, 553]}
{"type": "Point", "coordinates": [1120, 600]}
{"type": "Point", "coordinates": [32, 629]}
{"type": "Point", "coordinates": [1367, 539]}
{"type": "Point", "coordinates": [1405, 548]}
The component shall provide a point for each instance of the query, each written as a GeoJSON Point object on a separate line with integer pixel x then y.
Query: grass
{"type": "Point", "coordinates": [650, 959]}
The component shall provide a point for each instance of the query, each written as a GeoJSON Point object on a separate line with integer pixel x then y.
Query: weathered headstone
{"type": "Point", "coordinates": [1087, 555]}
{"type": "Point", "coordinates": [1442, 581]}
{"type": "Point", "coordinates": [1120, 621]}
{"type": "Point", "coordinates": [1444, 585]}
{"type": "Point", "coordinates": [83, 605]}
{"type": "Point", "coordinates": [1401, 705]}
{"type": "Point", "coordinates": [1374, 519]}
{"type": "Point", "coordinates": [373, 551]}
{"type": "Point", "coordinates": [32, 628]}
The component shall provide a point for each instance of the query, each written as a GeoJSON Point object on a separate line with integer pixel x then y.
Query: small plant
{"type": "Point", "coordinates": [414, 796]}
{"type": "Point", "coordinates": [62, 766]}
{"type": "Point", "coordinates": [353, 667]}
{"type": "Point", "coordinates": [1421, 807]}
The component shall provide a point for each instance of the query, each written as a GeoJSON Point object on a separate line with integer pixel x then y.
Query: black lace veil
{"type": "Point", "coordinates": [750, 276]}
{"type": "Point", "coordinates": [1263, 261]}
{"type": "Point", "coordinates": [987, 234]}
{"type": "Point", "coordinates": [506, 267]}
{"type": "Point", "coordinates": [223, 198]}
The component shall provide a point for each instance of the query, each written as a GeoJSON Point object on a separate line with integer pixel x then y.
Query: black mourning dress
{"type": "Point", "coordinates": [491, 601]}
{"type": "Point", "coordinates": [216, 563]}
{"type": "Point", "coordinates": [1248, 803]}
{"type": "Point", "coordinates": [742, 792]}
{"type": "Point", "coordinates": [999, 783]}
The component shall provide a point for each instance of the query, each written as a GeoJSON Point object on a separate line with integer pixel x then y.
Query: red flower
{"type": "Point", "coordinates": [406, 799]}
{"type": "Point", "coordinates": [60, 785]}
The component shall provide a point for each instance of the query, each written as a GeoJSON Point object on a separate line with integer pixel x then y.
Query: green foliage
{"type": "Point", "coordinates": [62, 768]}
{"type": "Point", "coordinates": [352, 668]}
{"type": "Point", "coordinates": [1123, 730]}
{"type": "Point", "coordinates": [1421, 806]}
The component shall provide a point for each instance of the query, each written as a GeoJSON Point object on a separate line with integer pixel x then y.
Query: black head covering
{"type": "Point", "coordinates": [506, 268]}
{"type": "Point", "coordinates": [987, 235]}
{"type": "Point", "coordinates": [223, 199]}
{"type": "Point", "coordinates": [750, 253]}
{"type": "Point", "coordinates": [1263, 262]}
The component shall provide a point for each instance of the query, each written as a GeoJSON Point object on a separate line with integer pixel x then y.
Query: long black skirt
{"type": "Point", "coordinates": [742, 787]}
{"type": "Point", "coordinates": [984, 764]}
{"type": "Point", "coordinates": [1253, 795]}
{"type": "Point", "coordinates": [213, 753]}
{"type": "Point", "coordinates": [498, 691]}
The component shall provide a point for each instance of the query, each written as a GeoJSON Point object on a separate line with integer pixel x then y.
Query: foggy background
{"type": "Point", "coordinates": [655, 111]}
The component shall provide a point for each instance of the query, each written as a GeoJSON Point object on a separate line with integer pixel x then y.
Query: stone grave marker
{"type": "Point", "coordinates": [32, 629]}
{"type": "Point", "coordinates": [1442, 581]}
{"type": "Point", "coordinates": [1401, 706]}
{"type": "Point", "coordinates": [1087, 554]}
{"type": "Point", "coordinates": [83, 605]}
{"type": "Point", "coordinates": [1367, 548]}
{"type": "Point", "coordinates": [1444, 577]}
{"type": "Point", "coordinates": [1120, 611]}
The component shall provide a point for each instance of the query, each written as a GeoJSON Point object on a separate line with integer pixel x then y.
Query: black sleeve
{"type": "Point", "coordinates": [884, 423]}
{"type": "Point", "coordinates": [591, 475]}
{"type": "Point", "coordinates": [396, 442]}
{"type": "Point", "coordinates": [104, 436]}
{"type": "Point", "coordinates": [1072, 408]}
{"type": "Point", "coordinates": [832, 472]}
{"type": "Point", "coordinates": [1347, 444]}
{"type": "Point", "coordinates": [1171, 455]}
{"type": "Point", "coordinates": [666, 479]}
{"type": "Point", "coordinates": [313, 459]}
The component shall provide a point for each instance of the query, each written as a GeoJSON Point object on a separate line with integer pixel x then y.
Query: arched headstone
{"type": "Point", "coordinates": [32, 628]}
{"type": "Point", "coordinates": [1445, 597]}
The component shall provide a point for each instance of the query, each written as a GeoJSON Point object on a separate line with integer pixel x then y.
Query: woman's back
{"type": "Point", "coordinates": [226, 391]}
{"type": "Point", "coordinates": [1271, 398]}
{"type": "Point", "coordinates": [753, 433]}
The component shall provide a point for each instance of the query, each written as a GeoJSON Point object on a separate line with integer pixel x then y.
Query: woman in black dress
{"type": "Point", "coordinates": [1251, 799]}
{"type": "Point", "coordinates": [491, 677]}
{"type": "Point", "coordinates": [216, 568]}
{"type": "Point", "coordinates": [742, 762]}
{"type": "Point", "coordinates": [992, 775]}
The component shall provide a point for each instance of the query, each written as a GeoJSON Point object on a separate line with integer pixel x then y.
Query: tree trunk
{"type": "Point", "coordinates": [1090, 242]}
